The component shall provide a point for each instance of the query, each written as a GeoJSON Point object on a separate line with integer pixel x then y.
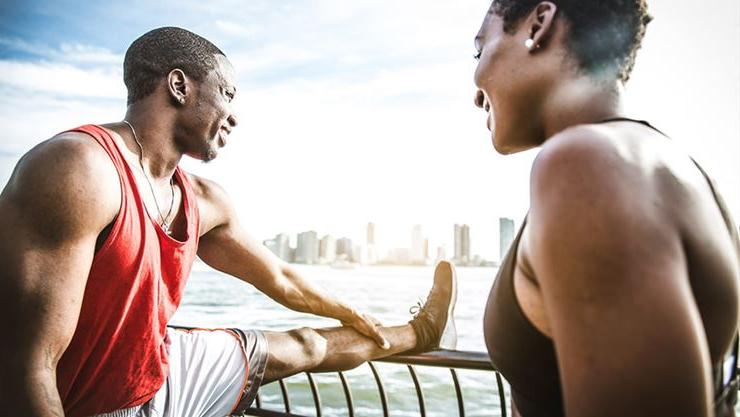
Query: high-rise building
{"type": "Point", "coordinates": [280, 246]}
{"type": "Point", "coordinates": [307, 248]}
{"type": "Point", "coordinates": [418, 255]}
{"type": "Point", "coordinates": [466, 243]}
{"type": "Point", "coordinates": [327, 249]}
{"type": "Point", "coordinates": [370, 251]}
{"type": "Point", "coordinates": [371, 233]}
{"type": "Point", "coordinates": [506, 236]}
{"type": "Point", "coordinates": [462, 244]}
{"type": "Point", "coordinates": [359, 254]}
{"type": "Point", "coordinates": [441, 254]}
{"type": "Point", "coordinates": [344, 248]}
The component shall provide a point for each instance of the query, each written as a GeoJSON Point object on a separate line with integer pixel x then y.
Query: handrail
{"type": "Point", "coordinates": [451, 359]}
{"type": "Point", "coordinates": [443, 358]}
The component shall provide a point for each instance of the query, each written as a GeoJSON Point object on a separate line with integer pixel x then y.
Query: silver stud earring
{"type": "Point", "coordinates": [529, 43]}
{"type": "Point", "coordinates": [182, 100]}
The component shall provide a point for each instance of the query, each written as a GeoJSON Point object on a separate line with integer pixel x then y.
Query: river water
{"type": "Point", "coordinates": [213, 299]}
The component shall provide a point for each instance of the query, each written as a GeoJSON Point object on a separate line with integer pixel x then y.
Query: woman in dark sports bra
{"type": "Point", "coordinates": [619, 296]}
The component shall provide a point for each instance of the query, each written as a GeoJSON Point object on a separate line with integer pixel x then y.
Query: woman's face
{"type": "Point", "coordinates": [508, 82]}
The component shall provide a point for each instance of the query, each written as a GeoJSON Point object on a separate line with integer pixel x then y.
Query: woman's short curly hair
{"type": "Point", "coordinates": [604, 35]}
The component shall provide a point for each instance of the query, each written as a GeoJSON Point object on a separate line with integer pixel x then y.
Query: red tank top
{"type": "Point", "coordinates": [117, 357]}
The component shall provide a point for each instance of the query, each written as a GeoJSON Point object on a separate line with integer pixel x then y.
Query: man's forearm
{"type": "Point", "coordinates": [297, 293]}
{"type": "Point", "coordinates": [34, 395]}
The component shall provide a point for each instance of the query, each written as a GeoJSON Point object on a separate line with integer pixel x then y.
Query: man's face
{"type": "Point", "coordinates": [210, 118]}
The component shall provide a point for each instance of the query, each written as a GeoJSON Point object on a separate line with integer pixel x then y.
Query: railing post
{"type": "Point", "coordinates": [458, 392]}
{"type": "Point", "coordinates": [419, 392]}
{"type": "Point", "coordinates": [347, 394]}
{"type": "Point", "coordinates": [315, 393]}
{"type": "Point", "coordinates": [381, 389]}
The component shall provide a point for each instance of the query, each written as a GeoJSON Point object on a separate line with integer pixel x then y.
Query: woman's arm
{"type": "Point", "coordinates": [628, 335]}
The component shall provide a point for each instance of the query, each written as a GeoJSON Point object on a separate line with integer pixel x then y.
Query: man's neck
{"type": "Point", "coordinates": [580, 101]}
{"type": "Point", "coordinates": [154, 132]}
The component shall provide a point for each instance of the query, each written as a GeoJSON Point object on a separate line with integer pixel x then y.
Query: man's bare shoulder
{"type": "Point", "coordinates": [213, 202]}
{"type": "Point", "coordinates": [68, 179]}
{"type": "Point", "coordinates": [207, 190]}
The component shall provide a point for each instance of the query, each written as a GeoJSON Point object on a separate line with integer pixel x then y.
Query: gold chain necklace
{"type": "Point", "coordinates": [164, 219]}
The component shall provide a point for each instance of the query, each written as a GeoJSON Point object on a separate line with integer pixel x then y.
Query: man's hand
{"type": "Point", "coordinates": [368, 326]}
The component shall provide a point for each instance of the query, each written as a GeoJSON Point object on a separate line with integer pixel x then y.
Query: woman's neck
{"type": "Point", "coordinates": [580, 101]}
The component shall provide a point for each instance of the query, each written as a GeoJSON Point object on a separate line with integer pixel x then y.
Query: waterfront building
{"type": "Point", "coordinates": [280, 246]}
{"type": "Point", "coordinates": [359, 254]}
{"type": "Point", "coordinates": [418, 253]}
{"type": "Point", "coordinates": [370, 252]}
{"type": "Point", "coordinates": [506, 236]}
{"type": "Point", "coordinates": [327, 249]}
{"type": "Point", "coordinates": [371, 233]}
{"type": "Point", "coordinates": [307, 248]}
{"type": "Point", "coordinates": [462, 244]}
{"type": "Point", "coordinates": [345, 247]}
{"type": "Point", "coordinates": [441, 254]}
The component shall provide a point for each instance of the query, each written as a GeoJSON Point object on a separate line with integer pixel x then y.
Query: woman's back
{"type": "Point", "coordinates": [672, 238]}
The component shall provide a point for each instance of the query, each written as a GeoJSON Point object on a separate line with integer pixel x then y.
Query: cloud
{"type": "Point", "coordinates": [62, 79]}
{"type": "Point", "coordinates": [76, 52]}
{"type": "Point", "coordinates": [66, 52]}
{"type": "Point", "coordinates": [236, 29]}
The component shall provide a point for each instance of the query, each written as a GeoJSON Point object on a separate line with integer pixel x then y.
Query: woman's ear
{"type": "Point", "coordinates": [539, 25]}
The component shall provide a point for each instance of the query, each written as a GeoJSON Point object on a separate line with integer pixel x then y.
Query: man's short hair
{"type": "Point", "coordinates": [604, 35]}
{"type": "Point", "coordinates": [157, 52]}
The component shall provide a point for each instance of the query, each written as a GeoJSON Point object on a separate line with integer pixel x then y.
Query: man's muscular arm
{"type": "Point", "coordinates": [225, 246]}
{"type": "Point", "coordinates": [51, 212]}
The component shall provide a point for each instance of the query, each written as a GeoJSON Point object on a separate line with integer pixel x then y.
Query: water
{"type": "Point", "coordinates": [215, 300]}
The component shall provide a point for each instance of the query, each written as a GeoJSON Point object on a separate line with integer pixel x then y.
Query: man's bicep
{"type": "Point", "coordinates": [51, 213]}
{"type": "Point", "coordinates": [230, 249]}
{"type": "Point", "coordinates": [226, 245]}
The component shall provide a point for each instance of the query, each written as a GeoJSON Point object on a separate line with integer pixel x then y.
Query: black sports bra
{"type": "Point", "coordinates": [526, 357]}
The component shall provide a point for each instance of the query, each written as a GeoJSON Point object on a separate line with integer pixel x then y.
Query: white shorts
{"type": "Point", "coordinates": [213, 373]}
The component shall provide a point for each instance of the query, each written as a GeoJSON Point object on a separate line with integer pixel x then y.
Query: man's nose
{"type": "Point", "coordinates": [232, 120]}
{"type": "Point", "coordinates": [479, 99]}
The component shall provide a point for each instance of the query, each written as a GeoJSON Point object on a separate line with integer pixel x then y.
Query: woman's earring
{"type": "Point", "coordinates": [529, 43]}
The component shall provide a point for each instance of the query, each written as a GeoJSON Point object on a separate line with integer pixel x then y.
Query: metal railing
{"type": "Point", "coordinates": [452, 360]}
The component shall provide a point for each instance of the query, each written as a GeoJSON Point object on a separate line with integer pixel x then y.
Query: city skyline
{"type": "Point", "coordinates": [312, 249]}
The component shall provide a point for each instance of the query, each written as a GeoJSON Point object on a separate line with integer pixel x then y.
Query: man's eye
{"type": "Point", "coordinates": [477, 55]}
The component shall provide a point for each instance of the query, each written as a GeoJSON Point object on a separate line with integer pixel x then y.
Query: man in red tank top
{"type": "Point", "coordinates": [99, 229]}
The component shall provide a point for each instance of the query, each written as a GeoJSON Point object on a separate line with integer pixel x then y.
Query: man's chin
{"type": "Point", "coordinates": [209, 156]}
{"type": "Point", "coordinates": [205, 156]}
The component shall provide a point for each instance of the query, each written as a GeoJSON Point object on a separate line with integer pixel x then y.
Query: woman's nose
{"type": "Point", "coordinates": [479, 99]}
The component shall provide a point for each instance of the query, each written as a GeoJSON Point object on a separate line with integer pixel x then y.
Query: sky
{"type": "Point", "coordinates": [358, 111]}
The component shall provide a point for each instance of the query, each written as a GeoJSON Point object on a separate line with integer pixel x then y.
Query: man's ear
{"type": "Point", "coordinates": [540, 25]}
{"type": "Point", "coordinates": [178, 86]}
